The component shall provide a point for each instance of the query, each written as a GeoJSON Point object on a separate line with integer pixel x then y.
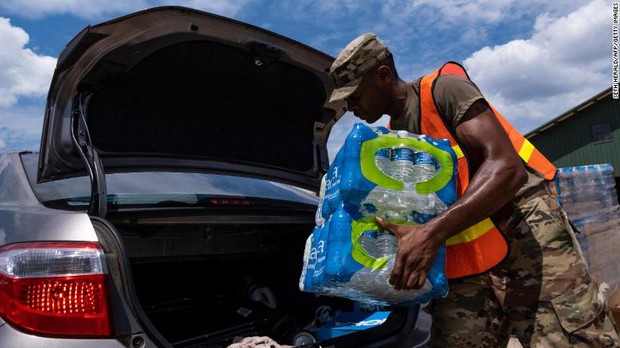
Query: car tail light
{"type": "Point", "coordinates": [55, 289]}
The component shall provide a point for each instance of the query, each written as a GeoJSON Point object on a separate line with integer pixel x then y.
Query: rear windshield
{"type": "Point", "coordinates": [150, 188]}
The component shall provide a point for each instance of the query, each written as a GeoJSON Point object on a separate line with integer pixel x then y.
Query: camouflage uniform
{"type": "Point", "coordinates": [542, 292]}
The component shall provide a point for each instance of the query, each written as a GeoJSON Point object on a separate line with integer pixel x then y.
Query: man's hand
{"type": "Point", "coordinates": [417, 248]}
{"type": "Point", "coordinates": [497, 175]}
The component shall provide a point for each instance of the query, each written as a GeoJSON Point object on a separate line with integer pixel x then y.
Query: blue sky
{"type": "Point", "coordinates": [532, 59]}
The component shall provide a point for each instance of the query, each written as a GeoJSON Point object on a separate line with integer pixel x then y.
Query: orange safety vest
{"type": "Point", "coordinates": [481, 246]}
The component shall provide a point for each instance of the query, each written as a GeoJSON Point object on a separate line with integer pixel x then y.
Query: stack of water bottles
{"type": "Point", "coordinates": [588, 195]}
{"type": "Point", "coordinates": [398, 176]}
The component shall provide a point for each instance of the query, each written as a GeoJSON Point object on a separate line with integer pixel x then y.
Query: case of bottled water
{"type": "Point", "coordinates": [588, 196]}
{"type": "Point", "coordinates": [398, 176]}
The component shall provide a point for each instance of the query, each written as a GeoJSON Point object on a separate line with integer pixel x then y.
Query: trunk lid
{"type": "Point", "coordinates": [176, 89]}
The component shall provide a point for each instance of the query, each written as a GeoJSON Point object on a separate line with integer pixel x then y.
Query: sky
{"type": "Point", "coordinates": [533, 60]}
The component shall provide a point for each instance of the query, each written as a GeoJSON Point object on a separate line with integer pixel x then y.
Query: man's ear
{"type": "Point", "coordinates": [385, 73]}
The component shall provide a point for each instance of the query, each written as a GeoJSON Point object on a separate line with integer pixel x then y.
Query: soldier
{"type": "Point", "coordinates": [514, 265]}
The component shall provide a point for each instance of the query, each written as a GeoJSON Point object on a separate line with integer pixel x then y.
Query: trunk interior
{"type": "Point", "coordinates": [188, 99]}
{"type": "Point", "coordinates": [202, 285]}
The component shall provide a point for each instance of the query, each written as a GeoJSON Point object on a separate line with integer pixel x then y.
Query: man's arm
{"type": "Point", "coordinates": [498, 177]}
{"type": "Point", "coordinates": [499, 173]}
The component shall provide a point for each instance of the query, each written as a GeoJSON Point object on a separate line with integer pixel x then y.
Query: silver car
{"type": "Point", "coordinates": [174, 189]}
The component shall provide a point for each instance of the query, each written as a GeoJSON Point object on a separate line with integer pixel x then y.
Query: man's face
{"type": "Point", "coordinates": [367, 102]}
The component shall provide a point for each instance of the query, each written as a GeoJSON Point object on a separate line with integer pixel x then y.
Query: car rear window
{"type": "Point", "coordinates": [160, 187]}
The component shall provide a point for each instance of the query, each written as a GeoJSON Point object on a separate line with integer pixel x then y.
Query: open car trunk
{"type": "Point", "coordinates": [223, 292]}
{"type": "Point", "coordinates": [205, 284]}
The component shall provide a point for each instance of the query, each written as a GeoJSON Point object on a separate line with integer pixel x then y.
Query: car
{"type": "Point", "coordinates": [173, 192]}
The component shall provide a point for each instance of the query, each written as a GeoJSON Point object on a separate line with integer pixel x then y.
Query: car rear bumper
{"type": "Point", "coordinates": [12, 338]}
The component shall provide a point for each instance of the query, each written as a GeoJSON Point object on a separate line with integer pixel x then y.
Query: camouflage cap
{"type": "Point", "coordinates": [359, 56]}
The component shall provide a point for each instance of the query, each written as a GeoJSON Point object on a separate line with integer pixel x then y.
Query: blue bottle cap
{"type": "Point", "coordinates": [384, 153]}
{"type": "Point", "coordinates": [425, 158]}
{"type": "Point", "coordinates": [403, 153]}
{"type": "Point", "coordinates": [372, 233]}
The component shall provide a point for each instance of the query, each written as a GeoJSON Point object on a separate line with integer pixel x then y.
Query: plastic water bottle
{"type": "Point", "coordinates": [380, 198]}
{"type": "Point", "coordinates": [383, 160]}
{"type": "Point", "coordinates": [339, 267]}
{"type": "Point", "coordinates": [387, 245]}
{"type": "Point", "coordinates": [388, 203]}
{"type": "Point", "coordinates": [368, 241]}
{"type": "Point", "coordinates": [373, 285]}
{"type": "Point", "coordinates": [402, 164]}
{"type": "Point", "coordinates": [425, 167]}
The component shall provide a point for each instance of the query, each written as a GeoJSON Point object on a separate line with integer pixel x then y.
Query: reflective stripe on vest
{"type": "Point", "coordinates": [526, 150]}
{"type": "Point", "coordinates": [457, 150]}
{"type": "Point", "coordinates": [482, 246]}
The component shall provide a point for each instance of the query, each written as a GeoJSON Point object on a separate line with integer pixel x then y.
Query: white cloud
{"type": "Point", "coordinates": [422, 33]}
{"type": "Point", "coordinates": [80, 8]}
{"type": "Point", "coordinates": [24, 76]}
{"type": "Point", "coordinates": [486, 11]}
{"type": "Point", "coordinates": [20, 126]}
{"type": "Point", "coordinates": [563, 63]}
{"type": "Point", "coordinates": [97, 9]}
{"type": "Point", "coordinates": [23, 73]}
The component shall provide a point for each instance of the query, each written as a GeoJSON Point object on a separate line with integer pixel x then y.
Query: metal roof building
{"type": "Point", "coordinates": [586, 134]}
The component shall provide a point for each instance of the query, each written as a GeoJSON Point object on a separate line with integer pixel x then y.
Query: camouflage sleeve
{"type": "Point", "coordinates": [454, 95]}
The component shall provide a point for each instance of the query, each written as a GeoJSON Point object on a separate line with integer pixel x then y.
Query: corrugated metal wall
{"type": "Point", "coordinates": [571, 142]}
